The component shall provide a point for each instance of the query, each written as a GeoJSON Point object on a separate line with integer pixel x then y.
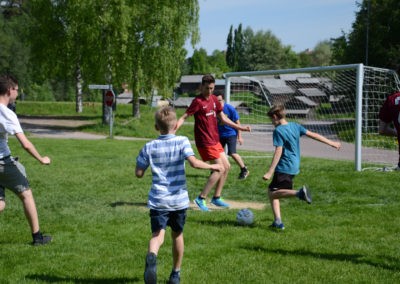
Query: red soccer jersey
{"type": "Point", "coordinates": [205, 120]}
{"type": "Point", "coordinates": [390, 112]}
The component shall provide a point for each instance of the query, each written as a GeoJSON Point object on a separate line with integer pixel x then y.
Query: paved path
{"type": "Point", "coordinates": [258, 140]}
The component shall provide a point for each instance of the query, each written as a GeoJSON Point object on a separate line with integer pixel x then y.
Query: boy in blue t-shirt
{"type": "Point", "coordinates": [168, 197]}
{"type": "Point", "coordinates": [286, 161]}
{"type": "Point", "coordinates": [230, 136]}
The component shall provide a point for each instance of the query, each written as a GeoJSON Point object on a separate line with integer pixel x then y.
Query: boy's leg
{"type": "Point", "coordinates": [2, 205]}
{"type": "Point", "coordinates": [177, 249]}
{"type": "Point", "coordinates": [158, 222]}
{"type": "Point", "coordinates": [223, 160]}
{"type": "Point", "coordinates": [212, 180]}
{"type": "Point", "coordinates": [276, 208]}
{"type": "Point", "coordinates": [30, 209]}
{"type": "Point", "coordinates": [156, 241]}
{"type": "Point", "coordinates": [239, 161]}
{"type": "Point", "coordinates": [2, 199]}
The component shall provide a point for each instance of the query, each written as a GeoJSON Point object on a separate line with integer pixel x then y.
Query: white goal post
{"type": "Point", "coordinates": [340, 102]}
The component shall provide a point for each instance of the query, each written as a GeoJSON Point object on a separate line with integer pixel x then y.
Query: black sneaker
{"type": "Point", "coordinates": [150, 272]}
{"type": "Point", "coordinates": [244, 173]}
{"type": "Point", "coordinates": [174, 278]}
{"type": "Point", "coordinates": [304, 194]}
{"type": "Point", "coordinates": [41, 240]}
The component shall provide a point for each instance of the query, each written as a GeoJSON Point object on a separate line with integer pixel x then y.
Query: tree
{"type": "Point", "coordinates": [375, 36]}
{"type": "Point", "coordinates": [264, 51]}
{"type": "Point", "coordinates": [217, 63]}
{"type": "Point", "coordinates": [238, 49]}
{"type": "Point", "coordinates": [138, 42]}
{"type": "Point", "coordinates": [200, 62]}
{"type": "Point", "coordinates": [14, 51]}
{"type": "Point", "coordinates": [230, 57]}
{"type": "Point", "coordinates": [322, 54]}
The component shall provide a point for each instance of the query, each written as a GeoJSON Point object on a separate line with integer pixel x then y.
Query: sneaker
{"type": "Point", "coordinates": [219, 202]}
{"type": "Point", "coordinates": [304, 194]}
{"type": "Point", "coordinates": [276, 226]}
{"type": "Point", "coordinates": [174, 278]}
{"type": "Point", "coordinates": [41, 240]}
{"type": "Point", "coordinates": [150, 272]}
{"type": "Point", "coordinates": [244, 174]}
{"type": "Point", "coordinates": [201, 203]}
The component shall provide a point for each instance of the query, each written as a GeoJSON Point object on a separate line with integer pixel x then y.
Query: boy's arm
{"type": "Point", "coordinates": [239, 134]}
{"type": "Point", "coordinates": [180, 121]}
{"type": "Point", "coordinates": [323, 139]}
{"type": "Point", "coordinates": [198, 164]}
{"type": "Point", "coordinates": [274, 163]}
{"type": "Point", "coordinates": [227, 121]}
{"type": "Point", "coordinates": [30, 148]}
{"type": "Point", "coordinates": [385, 129]}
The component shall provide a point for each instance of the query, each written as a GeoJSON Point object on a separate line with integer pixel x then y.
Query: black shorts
{"type": "Point", "coordinates": [281, 181]}
{"type": "Point", "coordinates": [161, 219]}
{"type": "Point", "coordinates": [231, 142]}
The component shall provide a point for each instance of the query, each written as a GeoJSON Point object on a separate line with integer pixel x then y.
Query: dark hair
{"type": "Point", "coordinates": [278, 111]}
{"type": "Point", "coordinates": [6, 83]}
{"type": "Point", "coordinates": [207, 79]}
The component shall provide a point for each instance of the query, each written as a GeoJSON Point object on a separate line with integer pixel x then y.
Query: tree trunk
{"type": "Point", "coordinates": [79, 96]}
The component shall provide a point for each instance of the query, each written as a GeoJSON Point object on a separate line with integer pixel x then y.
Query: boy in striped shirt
{"type": "Point", "coordinates": [168, 197]}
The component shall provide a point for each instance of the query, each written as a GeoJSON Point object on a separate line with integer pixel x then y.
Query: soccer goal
{"type": "Point", "coordinates": [340, 102]}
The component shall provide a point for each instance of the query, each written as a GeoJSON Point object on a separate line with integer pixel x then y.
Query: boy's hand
{"type": "Point", "coordinates": [336, 145]}
{"type": "Point", "coordinates": [216, 167]}
{"type": "Point", "coordinates": [246, 128]}
{"type": "Point", "coordinates": [267, 176]}
{"type": "Point", "coordinates": [45, 160]}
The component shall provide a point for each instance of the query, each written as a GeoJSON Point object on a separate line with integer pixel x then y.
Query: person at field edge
{"type": "Point", "coordinates": [168, 197]}
{"type": "Point", "coordinates": [230, 136]}
{"type": "Point", "coordinates": [206, 108]}
{"type": "Point", "coordinates": [388, 114]}
{"type": "Point", "coordinates": [285, 163]}
{"type": "Point", "coordinates": [12, 172]}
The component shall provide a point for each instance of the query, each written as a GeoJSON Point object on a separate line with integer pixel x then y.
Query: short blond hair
{"type": "Point", "coordinates": [165, 119]}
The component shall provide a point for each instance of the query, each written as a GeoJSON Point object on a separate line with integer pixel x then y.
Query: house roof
{"type": "Point", "coordinates": [306, 101]}
{"type": "Point", "coordinates": [312, 92]}
{"type": "Point", "coordinates": [303, 80]}
{"type": "Point", "coordinates": [294, 76]}
{"type": "Point", "coordinates": [277, 86]}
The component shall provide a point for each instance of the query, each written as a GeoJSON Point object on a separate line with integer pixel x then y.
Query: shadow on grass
{"type": "Point", "coordinates": [124, 203]}
{"type": "Point", "coordinates": [379, 261]}
{"type": "Point", "coordinates": [56, 279]}
{"type": "Point", "coordinates": [223, 223]}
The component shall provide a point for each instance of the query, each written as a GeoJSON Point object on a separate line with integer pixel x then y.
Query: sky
{"type": "Point", "coordinates": [302, 24]}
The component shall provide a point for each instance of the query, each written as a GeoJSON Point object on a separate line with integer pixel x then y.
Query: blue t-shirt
{"type": "Point", "coordinates": [166, 156]}
{"type": "Point", "coordinates": [225, 130]}
{"type": "Point", "coordinates": [288, 137]}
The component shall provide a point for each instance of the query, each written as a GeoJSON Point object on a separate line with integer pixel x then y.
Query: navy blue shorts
{"type": "Point", "coordinates": [231, 142]}
{"type": "Point", "coordinates": [161, 219]}
{"type": "Point", "coordinates": [281, 181]}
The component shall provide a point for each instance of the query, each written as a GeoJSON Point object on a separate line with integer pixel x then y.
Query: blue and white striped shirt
{"type": "Point", "coordinates": [166, 156]}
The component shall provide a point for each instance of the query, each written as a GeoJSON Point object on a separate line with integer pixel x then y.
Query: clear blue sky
{"type": "Point", "coordinates": [298, 23]}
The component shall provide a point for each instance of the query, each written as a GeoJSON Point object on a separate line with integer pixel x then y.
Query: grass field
{"type": "Point", "coordinates": [91, 203]}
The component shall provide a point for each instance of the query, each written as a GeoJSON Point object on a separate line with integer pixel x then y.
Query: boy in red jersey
{"type": "Point", "coordinates": [205, 108]}
{"type": "Point", "coordinates": [390, 112]}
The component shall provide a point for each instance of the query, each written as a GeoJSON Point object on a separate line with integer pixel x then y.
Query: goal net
{"type": "Point", "coordinates": [339, 102]}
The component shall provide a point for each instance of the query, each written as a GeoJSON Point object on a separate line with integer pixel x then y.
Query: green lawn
{"type": "Point", "coordinates": [91, 203]}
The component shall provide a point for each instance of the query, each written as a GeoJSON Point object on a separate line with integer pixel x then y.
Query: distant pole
{"type": "Point", "coordinates": [367, 33]}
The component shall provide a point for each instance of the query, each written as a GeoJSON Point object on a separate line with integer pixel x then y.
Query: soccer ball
{"type": "Point", "coordinates": [245, 217]}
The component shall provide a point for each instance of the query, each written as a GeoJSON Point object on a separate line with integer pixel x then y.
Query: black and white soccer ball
{"type": "Point", "coordinates": [245, 217]}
